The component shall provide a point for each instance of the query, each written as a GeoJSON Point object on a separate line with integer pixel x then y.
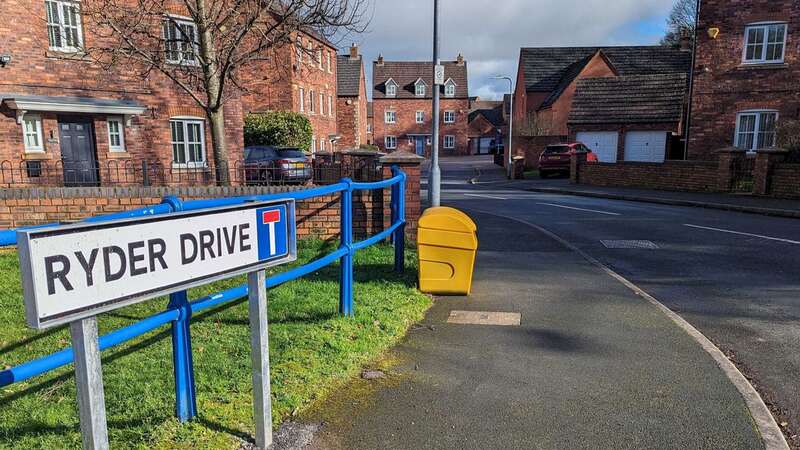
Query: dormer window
{"type": "Point", "coordinates": [391, 88]}
{"type": "Point", "coordinates": [419, 88]}
{"type": "Point", "coordinates": [764, 43]}
{"type": "Point", "coordinates": [450, 88]}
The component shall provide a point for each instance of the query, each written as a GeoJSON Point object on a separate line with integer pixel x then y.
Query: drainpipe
{"type": "Point", "coordinates": [688, 121]}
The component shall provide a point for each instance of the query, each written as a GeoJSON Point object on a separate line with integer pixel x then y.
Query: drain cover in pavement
{"type": "Point", "coordinates": [642, 245]}
{"type": "Point", "coordinates": [484, 318]}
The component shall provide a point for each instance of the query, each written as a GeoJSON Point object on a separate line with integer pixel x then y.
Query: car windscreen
{"type": "Point", "coordinates": [258, 153]}
{"type": "Point", "coordinates": [557, 149]}
{"type": "Point", "coordinates": [291, 153]}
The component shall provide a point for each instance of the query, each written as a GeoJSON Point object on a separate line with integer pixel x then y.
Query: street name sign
{"type": "Point", "coordinates": [77, 271]}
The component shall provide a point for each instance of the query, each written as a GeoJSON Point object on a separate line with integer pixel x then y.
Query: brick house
{"type": "Point", "coordinates": [547, 80]}
{"type": "Point", "coordinates": [64, 119]}
{"type": "Point", "coordinates": [299, 78]}
{"type": "Point", "coordinates": [746, 75]}
{"type": "Point", "coordinates": [352, 100]}
{"type": "Point", "coordinates": [370, 124]}
{"type": "Point", "coordinates": [487, 126]}
{"type": "Point", "coordinates": [402, 101]}
{"type": "Point", "coordinates": [630, 118]}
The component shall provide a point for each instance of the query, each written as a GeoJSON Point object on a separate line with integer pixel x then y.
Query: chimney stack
{"type": "Point", "coordinates": [460, 59]}
{"type": "Point", "coordinates": [354, 52]}
{"type": "Point", "coordinates": [685, 41]}
{"type": "Point", "coordinates": [380, 60]}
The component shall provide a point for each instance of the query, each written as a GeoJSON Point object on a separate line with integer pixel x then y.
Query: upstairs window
{"type": "Point", "coordinates": [390, 142]}
{"type": "Point", "coordinates": [330, 105]}
{"type": "Point", "coordinates": [302, 100]}
{"type": "Point", "coordinates": [328, 63]}
{"type": "Point", "coordinates": [765, 43]}
{"type": "Point", "coordinates": [319, 58]}
{"type": "Point", "coordinates": [64, 25]}
{"type": "Point", "coordinates": [299, 51]}
{"type": "Point", "coordinates": [449, 142]}
{"type": "Point", "coordinates": [756, 130]}
{"type": "Point", "coordinates": [391, 116]}
{"type": "Point", "coordinates": [450, 89]}
{"type": "Point", "coordinates": [449, 117]}
{"type": "Point", "coordinates": [311, 102]}
{"type": "Point", "coordinates": [180, 41]}
{"type": "Point", "coordinates": [419, 89]}
{"type": "Point", "coordinates": [420, 117]}
{"type": "Point", "coordinates": [322, 104]}
{"type": "Point", "coordinates": [391, 88]}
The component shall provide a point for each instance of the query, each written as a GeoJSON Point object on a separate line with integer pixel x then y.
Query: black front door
{"type": "Point", "coordinates": [77, 152]}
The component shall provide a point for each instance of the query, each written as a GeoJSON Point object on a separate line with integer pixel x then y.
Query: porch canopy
{"type": "Point", "coordinates": [76, 105]}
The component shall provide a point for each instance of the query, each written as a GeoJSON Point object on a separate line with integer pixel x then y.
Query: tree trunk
{"type": "Point", "coordinates": [217, 121]}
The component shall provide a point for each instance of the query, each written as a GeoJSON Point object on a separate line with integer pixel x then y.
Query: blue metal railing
{"type": "Point", "coordinates": [180, 310]}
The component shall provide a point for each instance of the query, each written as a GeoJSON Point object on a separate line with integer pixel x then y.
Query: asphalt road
{"type": "Point", "coordinates": [734, 276]}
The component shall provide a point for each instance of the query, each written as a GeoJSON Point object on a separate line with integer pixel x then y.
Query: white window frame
{"type": "Point", "coordinates": [299, 50]}
{"type": "Point", "coordinates": [314, 143]}
{"type": "Point", "coordinates": [390, 116]}
{"type": "Point", "coordinates": [36, 120]}
{"type": "Point", "coordinates": [58, 25]}
{"type": "Point", "coordinates": [311, 102]}
{"type": "Point", "coordinates": [180, 45]}
{"type": "Point", "coordinates": [758, 113]}
{"type": "Point", "coordinates": [310, 51]}
{"type": "Point", "coordinates": [420, 117]}
{"type": "Point", "coordinates": [322, 144]}
{"type": "Point", "coordinates": [319, 58]}
{"type": "Point", "coordinates": [329, 61]}
{"type": "Point", "coordinates": [420, 89]}
{"type": "Point", "coordinates": [322, 104]}
{"type": "Point", "coordinates": [765, 26]}
{"type": "Point", "coordinates": [120, 131]}
{"type": "Point", "coordinates": [452, 116]}
{"type": "Point", "coordinates": [369, 128]}
{"type": "Point", "coordinates": [330, 105]}
{"type": "Point", "coordinates": [302, 93]}
{"type": "Point", "coordinates": [391, 88]}
{"type": "Point", "coordinates": [387, 140]}
{"type": "Point", "coordinates": [185, 122]}
{"type": "Point", "coordinates": [451, 144]}
{"type": "Point", "coordinates": [450, 88]}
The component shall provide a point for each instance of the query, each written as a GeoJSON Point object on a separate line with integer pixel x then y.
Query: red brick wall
{"type": "Point", "coordinates": [276, 85]}
{"type": "Point", "coordinates": [352, 117]}
{"type": "Point", "coordinates": [560, 110]}
{"type": "Point", "coordinates": [785, 181]}
{"type": "Point", "coordinates": [406, 124]}
{"type": "Point", "coordinates": [670, 176]}
{"type": "Point", "coordinates": [35, 70]}
{"type": "Point", "coordinates": [724, 86]}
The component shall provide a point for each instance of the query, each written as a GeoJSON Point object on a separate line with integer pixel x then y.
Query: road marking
{"type": "Point", "coordinates": [493, 197]}
{"type": "Point", "coordinates": [484, 318]}
{"type": "Point", "coordinates": [581, 209]}
{"type": "Point", "coordinates": [788, 241]}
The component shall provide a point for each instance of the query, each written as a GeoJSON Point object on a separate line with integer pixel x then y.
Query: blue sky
{"type": "Point", "coordinates": [490, 33]}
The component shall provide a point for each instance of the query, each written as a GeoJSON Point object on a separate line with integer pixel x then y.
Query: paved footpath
{"type": "Point", "coordinates": [591, 365]}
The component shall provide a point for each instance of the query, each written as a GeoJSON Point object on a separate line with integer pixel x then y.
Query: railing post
{"type": "Point", "coordinates": [399, 216]}
{"type": "Point", "coordinates": [346, 262]}
{"type": "Point", "coordinates": [183, 365]}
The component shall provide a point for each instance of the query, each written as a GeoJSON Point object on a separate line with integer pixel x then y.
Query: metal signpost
{"type": "Point", "coordinates": [73, 273]}
{"type": "Point", "coordinates": [435, 178]}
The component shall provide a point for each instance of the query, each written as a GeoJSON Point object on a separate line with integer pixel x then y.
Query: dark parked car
{"type": "Point", "coordinates": [266, 164]}
{"type": "Point", "coordinates": [555, 159]}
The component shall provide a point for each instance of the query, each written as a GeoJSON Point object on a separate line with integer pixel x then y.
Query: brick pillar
{"type": "Point", "coordinates": [727, 157]}
{"type": "Point", "coordinates": [518, 169]}
{"type": "Point", "coordinates": [410, 164]}
{"type": "Point", "coordinates": [765, 161]}
{"type": "Point", "coordinates": [575, 161]}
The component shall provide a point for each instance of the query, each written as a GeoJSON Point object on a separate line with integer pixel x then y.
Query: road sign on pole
{"type": "Point", "coordinates": [72, 273]}
{"type": "Point", "coordinates": [438, 75]}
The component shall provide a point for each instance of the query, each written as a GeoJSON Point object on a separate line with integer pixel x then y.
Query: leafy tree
{"type": "Point", "coordinates": [278, 128]}
{"type": "Point", "coordinates": [206, 49]}
{"type": "Point", "coordinates": [681, 23]}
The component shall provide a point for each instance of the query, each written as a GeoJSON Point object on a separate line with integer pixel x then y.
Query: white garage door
{"type": "Point", "coordinates": [645, 146]}
{"type": "Point", "coordinates": [602, 143]}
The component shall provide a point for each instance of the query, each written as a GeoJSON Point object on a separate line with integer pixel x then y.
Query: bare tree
{"type": "Point", "coordinates": [204, 46]}
{"type": "Point", "coordinates": [681, 23]}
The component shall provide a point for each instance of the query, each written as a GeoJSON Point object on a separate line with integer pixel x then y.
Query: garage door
{"type": "Point", "coordinates": [602, 143]}
{"type": "Point", "coordinates": [645, 146]}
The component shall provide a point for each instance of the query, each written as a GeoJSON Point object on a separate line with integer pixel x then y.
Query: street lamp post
{"type": "Point", "coordinates": [510, 162]}
{"type": "Point", "coordinates": [435, 177]}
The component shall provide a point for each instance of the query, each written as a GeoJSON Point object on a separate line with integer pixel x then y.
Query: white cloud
{"type": "Point", "coordinates": [490, 33]}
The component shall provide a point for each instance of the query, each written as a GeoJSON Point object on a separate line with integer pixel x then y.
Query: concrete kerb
{"type": "Point", "coordinates": [771, 434]}
{"type": "Point", "coordinates": [673, 202]}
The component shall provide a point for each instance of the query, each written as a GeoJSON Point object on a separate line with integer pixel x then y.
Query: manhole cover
{"type": "Point", "coordinates": [642, 245]}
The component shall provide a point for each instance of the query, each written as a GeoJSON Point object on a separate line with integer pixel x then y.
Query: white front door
{"type": "Point", "coordinates": [645, 146]}
{"type": "Point", "coordinates": [602, 143]}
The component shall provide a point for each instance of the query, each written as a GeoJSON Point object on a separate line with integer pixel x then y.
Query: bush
{"type": "Point", "coordinates": [370, 147]}
{"type": "Point", "coordinates": [789, 138]}
{"type": "Point", "coordinates": [278, 128]}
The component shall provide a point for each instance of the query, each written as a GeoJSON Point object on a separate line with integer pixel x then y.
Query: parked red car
{"type": "Point", "coordinates": [555, 159]}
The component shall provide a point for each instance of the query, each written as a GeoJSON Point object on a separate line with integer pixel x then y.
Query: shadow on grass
{"type": "Point", "coordinates": [40, 335]}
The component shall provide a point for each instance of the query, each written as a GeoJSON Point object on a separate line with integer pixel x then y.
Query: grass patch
{"type": "Point", "coordinates": [531, 174]}
{"type": "Point", "coordinates": [312, 351]}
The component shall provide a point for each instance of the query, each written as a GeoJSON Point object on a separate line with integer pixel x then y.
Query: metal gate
{"type": "Point", "coordinates": [742, 171]}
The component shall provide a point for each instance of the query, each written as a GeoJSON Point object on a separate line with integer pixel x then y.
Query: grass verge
{"type": "Point", "coordinates": [312, 351]}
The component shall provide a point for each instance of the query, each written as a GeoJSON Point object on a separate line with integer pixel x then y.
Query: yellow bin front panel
{"type": "Point", "coordinates": [447, 247]}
